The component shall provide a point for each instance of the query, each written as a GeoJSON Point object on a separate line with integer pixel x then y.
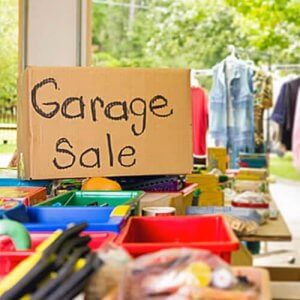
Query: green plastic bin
{"type": "Point", "coordinates": [96, 198]}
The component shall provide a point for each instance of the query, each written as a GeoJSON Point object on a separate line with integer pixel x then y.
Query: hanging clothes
{"type": "Point", "coordinates": [199, 120]}
{"type": "Point", "coordinates": [263, 99]}
{"type": "Point", "coordinates": [284, 111]}
{"type": "Point", "coordinates": [231, 115]}
{"type": "Point", "coordinates": [296, 135]}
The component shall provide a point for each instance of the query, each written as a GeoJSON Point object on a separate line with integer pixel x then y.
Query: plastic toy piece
{"type": "Point", "coordinates": [120, 211]}
{"type": "Point", "coordinates": [223, 278]}
{"type": "Point", "coordinates": [13, 209]}
{"type": "Point", "coordinates": [250, 205]}
{"type": "Point", "coordinates": [201, 272]}
{"type": "Point", "coordinates": [100, 184]}
{"type": "Point", "coordinates": [17, 232]}
{"type": "Point", "coordinates": [35, 268]}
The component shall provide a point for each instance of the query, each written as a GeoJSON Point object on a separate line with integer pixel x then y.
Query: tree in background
{"type": "Point", "coordinates": [193, 33]}
{"type": "Point", "coordinates": [113, 43]}
{"type": "Point", "coordinates": [272, 26]}
{"type": "Point", "coordinates": [8, 51]}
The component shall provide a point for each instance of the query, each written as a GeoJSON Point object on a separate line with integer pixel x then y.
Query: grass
{"type": "Point", "coordinates": [283, 167]}
{"type": "Point", "coordinates": [7, 148]}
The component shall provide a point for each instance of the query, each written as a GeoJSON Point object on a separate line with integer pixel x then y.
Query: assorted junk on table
{"type": "Point", "coordinates": [122, 251]}
{"type": "Point", "coordinates": [155, 235]}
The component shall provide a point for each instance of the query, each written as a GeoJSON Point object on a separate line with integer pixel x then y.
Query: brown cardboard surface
{"type": "Point", "coordinates": [242, 257]}
{"type": "Point", "coordinates": [162, 199]}
{"type": "Point", "coordinates": [272, 231]}
{"type": "Point", "coordinates": [141, 123]}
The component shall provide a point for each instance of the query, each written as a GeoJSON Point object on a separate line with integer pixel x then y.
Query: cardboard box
{"type": "Point", "coordinates": [162, 200]}
{"type": "Point", "coordinates": [179, 200]}
{"type": "Point", "coordinates": [84, 122]}
{"type": "Point", "coordinates": [29, 196]}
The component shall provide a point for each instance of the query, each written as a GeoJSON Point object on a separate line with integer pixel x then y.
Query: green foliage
{"type": "Point", "coordinates": [272, 25]}
{"type": "Point", "coordinates": [111, 37]}
{"type": "Point", "coordinates": [8, 49]}
{"type": "Point", "coordinates": [283, 167]}
{"type": "Point", "coordinates": [195, 34]}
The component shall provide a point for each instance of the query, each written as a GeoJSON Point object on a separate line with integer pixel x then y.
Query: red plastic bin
{"type": "Point", "coordinates": [10, 258]}
{"type": "Point", "coordinates": [144, 235]}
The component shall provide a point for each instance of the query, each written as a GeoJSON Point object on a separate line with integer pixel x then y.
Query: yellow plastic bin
{"type": "Point", "coordinates": [188, 193]}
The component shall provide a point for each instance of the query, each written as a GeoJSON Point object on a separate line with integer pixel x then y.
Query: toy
{"type": "Point", "coordinates": [17, 232]}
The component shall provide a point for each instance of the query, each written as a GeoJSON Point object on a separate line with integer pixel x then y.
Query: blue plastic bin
{"type": "Point", "coordinates": [52, 218]}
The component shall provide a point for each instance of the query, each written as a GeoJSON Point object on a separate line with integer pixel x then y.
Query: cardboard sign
{"type": "Point", "coordinates": [84, 122]}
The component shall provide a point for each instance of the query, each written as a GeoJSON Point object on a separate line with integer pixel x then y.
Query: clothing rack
{"type": "Point", "coordinates": [201, 72]}
{"type": "Point", "coordinates": [262, 54]}
{"type": "Point", "coordinates": [285, 67]}
{"type": "Point", "coordinates": [235, 51]}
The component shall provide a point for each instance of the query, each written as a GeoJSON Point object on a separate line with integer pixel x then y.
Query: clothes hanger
{"type": "Point", "coordinates": [194, 80]}
{"type": "Point", "coordinates": [231, 58]}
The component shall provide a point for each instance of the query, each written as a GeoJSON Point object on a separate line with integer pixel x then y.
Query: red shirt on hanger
{"type": "Point", "coordinates": [199, 120]}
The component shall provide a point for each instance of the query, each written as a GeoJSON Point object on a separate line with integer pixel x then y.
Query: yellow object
{"type": "Point", "coordinates": [100, 184]}
{"type": "Point", "coordinates": [26, 265]}
{"type": "Point", "coordinates": [201, 272]}
{"type": "Point", "coordinates": [215, 198]}
{"type": "Point", "coordinates": [18, 273]}
{"type": "Point", "coordinates": [80, 264]}
{"type": "Point", "coordinates": [22, 269]}
{"type": "Point", "coordinates": [217, 159]}
{"type": "Point", "coordinates": [47, 242]}
{"type": "Point", "coordinates": [206, 182]}
{"type": "Point", "coordinates": [252, 174]}
{"type": "Point", "coordinates": [120, 211]}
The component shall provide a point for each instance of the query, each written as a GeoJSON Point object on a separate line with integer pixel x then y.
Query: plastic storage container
{"type": "Point", "coordinates": [143, 235]}
{"type": "Point", "coordinates": [96, 198]}
{"type": "Point", "coordinates": [179, 200]}
{"type": "Point", "coordinates": [27, 183]}
{"type": "Point", "coordinates": [29, 196]}
{"type": "Point", "coordinates": [10, 258]}
{"type": "Point", "coordinates": [242, 213]}
{"type": "Point", "coordinates": [99, 218]}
